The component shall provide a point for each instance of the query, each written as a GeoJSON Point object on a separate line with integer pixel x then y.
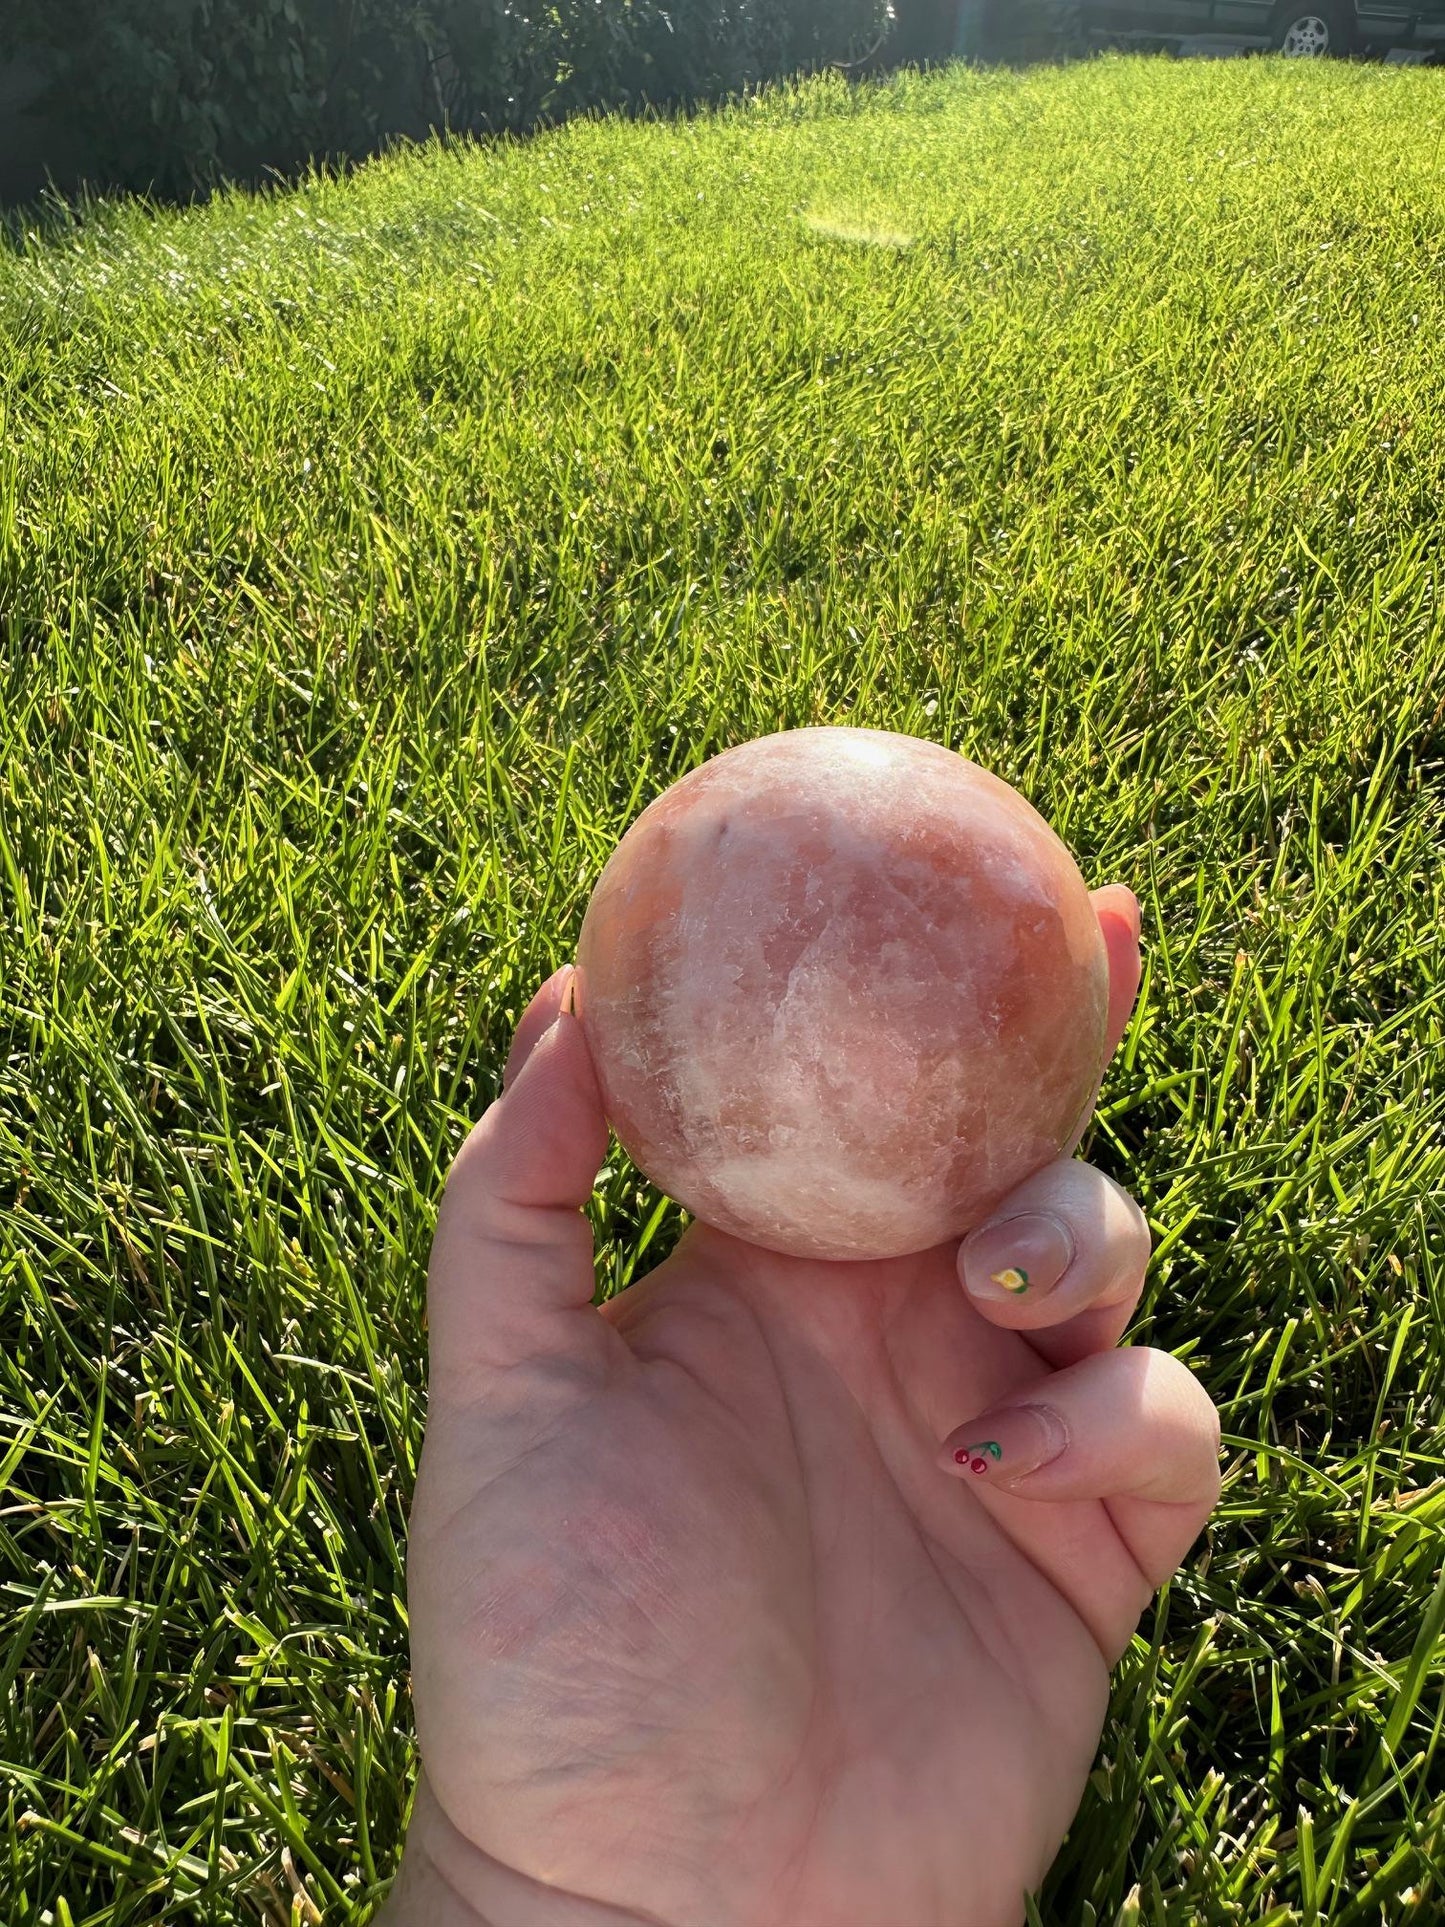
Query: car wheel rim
{"type": "Point", "coordinates": [1306, 38]}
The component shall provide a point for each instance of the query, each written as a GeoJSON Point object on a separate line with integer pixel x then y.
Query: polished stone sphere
{"type": "Point", "coordinates": [843, 991]}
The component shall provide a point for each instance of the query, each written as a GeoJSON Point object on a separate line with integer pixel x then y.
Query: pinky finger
{"type": "Point", "coordinates": [1133, 1427]}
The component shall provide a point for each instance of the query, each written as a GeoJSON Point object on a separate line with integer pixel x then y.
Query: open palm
{"type": "Point", "coordinates": [709, 1623]}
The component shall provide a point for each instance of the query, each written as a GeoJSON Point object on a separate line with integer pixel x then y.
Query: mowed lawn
{"type": "Point", "coordinates": [370, 553]}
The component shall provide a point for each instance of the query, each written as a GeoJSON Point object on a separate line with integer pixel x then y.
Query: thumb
{"type": "Point", "coordinates": [511, 1276]}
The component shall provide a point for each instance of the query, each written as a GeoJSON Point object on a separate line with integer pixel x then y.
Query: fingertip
{"type": "Point", "coordinates": [1118, 900]}
{"type": "Point", "coordinates": [1130, 1421]}
{"type": "Point", "coordinates": [1062, 1258]}
{"type": "Point", "coordinates": [548, 1002]}
{"type": "Point", "coordinates": [1117, 909]}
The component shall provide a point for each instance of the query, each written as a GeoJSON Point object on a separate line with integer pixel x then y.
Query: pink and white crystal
{"type": "Point", "coordinates": [843, 991]}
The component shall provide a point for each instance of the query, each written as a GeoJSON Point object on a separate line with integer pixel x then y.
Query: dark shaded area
{"type": "Point", "coordinates": [37, 140]}
{"type": "Point", "coordinates": [924, 30]}
{"type": "Point", "coordinates": [171, 96]}
{"type": "Point", "coordinates": [928, 31]}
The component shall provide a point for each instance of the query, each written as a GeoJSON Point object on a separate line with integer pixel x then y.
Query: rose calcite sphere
{"type": "Point", "coordinates": [843, 990]}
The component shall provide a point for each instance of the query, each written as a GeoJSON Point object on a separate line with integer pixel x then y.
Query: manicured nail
{"type": "Point", "coordinates": [1006, 1444]}
{"type": "Point", "coordinates": [1017, 1257]}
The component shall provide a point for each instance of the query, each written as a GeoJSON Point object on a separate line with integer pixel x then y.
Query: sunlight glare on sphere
{"type": "Point", "coordinates": [843, 990]}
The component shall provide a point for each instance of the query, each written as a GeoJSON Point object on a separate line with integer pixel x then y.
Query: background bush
{"type": "Point", "coordinates": [1022, 30]}
{"type": "Point", "coordinates": [172, 94]}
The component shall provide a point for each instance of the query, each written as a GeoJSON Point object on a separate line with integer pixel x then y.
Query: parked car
{"type": "Point", "coordinates": [1293, 26]}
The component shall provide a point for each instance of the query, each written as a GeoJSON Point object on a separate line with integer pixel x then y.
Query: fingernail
{"type": "Point", "coordinates": [1017, 1257]}
{"type": "Point", "coordinates": [1006, 1444]}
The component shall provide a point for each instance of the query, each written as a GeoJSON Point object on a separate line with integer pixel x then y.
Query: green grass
{"type": "Point", "coordinates": [370, 553]}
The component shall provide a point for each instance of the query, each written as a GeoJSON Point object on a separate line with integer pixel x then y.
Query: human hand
{"type": "Point", "coordinates": [704, 1634]}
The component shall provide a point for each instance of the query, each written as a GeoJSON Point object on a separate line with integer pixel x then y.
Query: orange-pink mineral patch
{"type": "Point", "coordinates": [843, 990]}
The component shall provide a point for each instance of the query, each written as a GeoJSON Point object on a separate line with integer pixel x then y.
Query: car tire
{"type": "Point", "coordinates": [1311, 32]}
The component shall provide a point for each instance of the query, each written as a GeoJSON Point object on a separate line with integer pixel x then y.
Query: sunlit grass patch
{"type": "Point", "coordinates": [844, 224]}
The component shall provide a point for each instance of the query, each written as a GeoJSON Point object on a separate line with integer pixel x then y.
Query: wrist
{"type": "Point", "coordinates": [445, 1881]}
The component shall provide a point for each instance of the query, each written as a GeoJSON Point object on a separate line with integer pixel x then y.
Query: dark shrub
{"type": "Point", "coordinates": [170, 93]}
{"type": "Point", "coordinates": [1022, 30]}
